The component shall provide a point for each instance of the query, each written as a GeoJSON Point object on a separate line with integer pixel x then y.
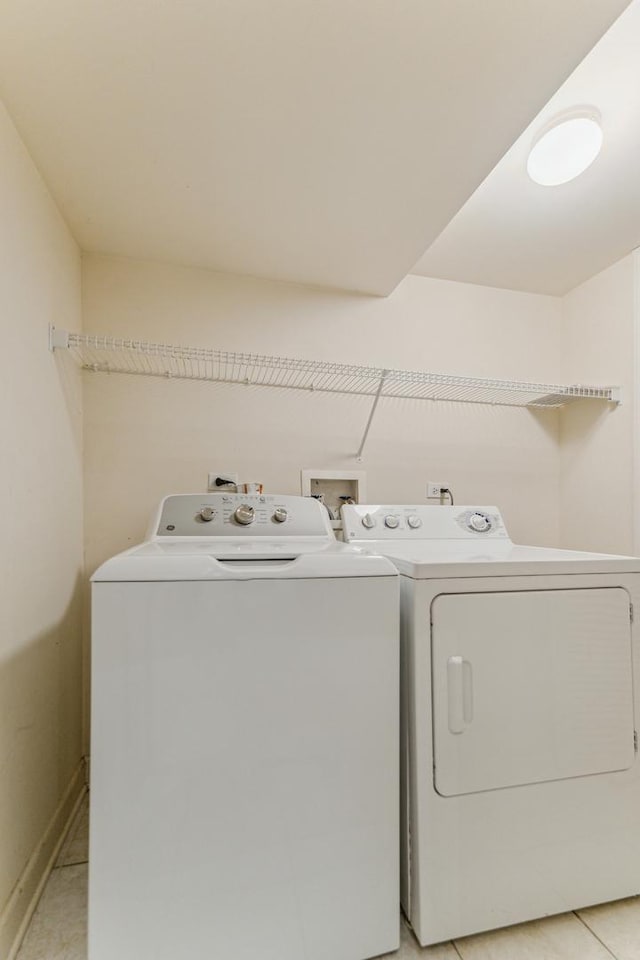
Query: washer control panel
{"type": "Point", "coordinates": [240, 515]}
{"type": "Point", "coordinates": [419, 522]}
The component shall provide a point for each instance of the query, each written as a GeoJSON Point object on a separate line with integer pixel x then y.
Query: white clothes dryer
{"type": "Point", "coordinates": [521, 782]}
{"type": "Point", "coordinates": [245, 724]}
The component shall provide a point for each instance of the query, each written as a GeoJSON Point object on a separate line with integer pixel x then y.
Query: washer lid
{"type": "Point", "coordinates": [220, 536]}
{"type": "Point", "coordinates": [227, 559]}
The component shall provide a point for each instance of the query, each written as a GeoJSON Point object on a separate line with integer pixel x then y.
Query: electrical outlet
{"type": "Point", "coordinates": [215, 486]}
{"type": "Point", "coordinates": [435, 490]}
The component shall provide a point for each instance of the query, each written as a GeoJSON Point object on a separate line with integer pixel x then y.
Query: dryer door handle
{"type": "Point", "coordinates": [459, 693]}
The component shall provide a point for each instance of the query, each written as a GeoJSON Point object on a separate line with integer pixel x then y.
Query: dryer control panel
{"type": "Point", "coordinates": [420, 522]}
{"type": "Point", "coordinates": [240, 515]}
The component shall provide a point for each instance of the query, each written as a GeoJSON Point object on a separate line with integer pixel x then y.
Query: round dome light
{"type": "Point", "coordinates": [565, 150]}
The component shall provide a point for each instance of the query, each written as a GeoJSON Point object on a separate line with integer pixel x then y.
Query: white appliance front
{"type": "Point", "coordinates": [244, 749]}
{"type": "Point", "coordinates": [529, 686]}
{"type": "Point", "coordinates": [521, 787]}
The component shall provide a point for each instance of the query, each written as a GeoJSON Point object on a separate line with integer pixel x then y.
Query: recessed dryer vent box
{"type": "Point", "coordinates": [332, 486]}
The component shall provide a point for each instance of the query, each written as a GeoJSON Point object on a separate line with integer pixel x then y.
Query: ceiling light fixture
{"type": "Point", "coordinates": [565, 148]}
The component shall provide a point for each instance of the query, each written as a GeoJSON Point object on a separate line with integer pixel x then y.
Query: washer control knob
{"type": "Point", "coordinates": [414, 521]}
{"type": "Point", "coordinates": [207, 514]}
{"type": "Point", "coordinates": [391, 522]}
{"type": "Point", "coordinates": [368, 521]}
{"type": "Point", "coordinates": [245, 514]}
{"type": "Point", "coordinates": [280, 514]}
{"type": "Point", "coordinates": [479, 522]}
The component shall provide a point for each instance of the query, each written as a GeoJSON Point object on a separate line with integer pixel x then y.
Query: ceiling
{"type": "Point", "coordinates": [318, 141]}
{"type": "Point", "coordinates": [514, 233]}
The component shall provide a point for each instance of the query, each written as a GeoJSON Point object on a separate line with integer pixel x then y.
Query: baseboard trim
{"type": "Point", "coordinates": [19, 909]}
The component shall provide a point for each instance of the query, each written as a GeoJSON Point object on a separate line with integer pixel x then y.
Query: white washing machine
{"type": "Point", "coordinates": [521, 783]}
{"type": "Point", "coordinates": [245, 724]}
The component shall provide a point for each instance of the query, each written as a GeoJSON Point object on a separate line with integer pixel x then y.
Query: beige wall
{"type": "Point", "coordinates": [145, 438]}
{"type": "Point", "coordinates": [597, 439]}
{"type": "Point", "coordinates": [41, 559]}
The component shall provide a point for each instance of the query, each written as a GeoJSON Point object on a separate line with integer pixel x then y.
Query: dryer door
{"type": "Point", "coordinates": [530, 686]}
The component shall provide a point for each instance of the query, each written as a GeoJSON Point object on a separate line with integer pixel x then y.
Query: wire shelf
{"type": "Point", "coordinates": [102, 354]}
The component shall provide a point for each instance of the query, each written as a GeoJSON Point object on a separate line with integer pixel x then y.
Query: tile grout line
{"type": "Point", "coordinates": [74, 863]}
{"type": "Point", "coordinates": [455, 947]}
{"type": "Point", "coordinates": [594, 934]}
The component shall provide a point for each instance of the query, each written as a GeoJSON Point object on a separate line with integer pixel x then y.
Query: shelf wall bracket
{"type": "Point", "coordinates": [371, 414]}
{"type": "Point", "coordinates": [58, 339]}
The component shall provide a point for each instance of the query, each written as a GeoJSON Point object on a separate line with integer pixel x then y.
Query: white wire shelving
{"type": "Point", "coordinates": [104, 354]}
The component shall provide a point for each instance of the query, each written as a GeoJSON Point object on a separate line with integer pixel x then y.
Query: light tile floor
{"type": "Point", "coordinates": [58, 930]}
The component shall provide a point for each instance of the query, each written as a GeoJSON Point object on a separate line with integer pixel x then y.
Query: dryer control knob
{"type": "Point", "coordinates": [207, 514]}
{"type": "Point", "coordinates": [391, 521]}
{"type": "Point", "coordinates": [368, 521]}
{"type": "Point", "coordinates": [414, 521]}
{"type": "Point", "coordinates": [244, 514]}
{"type": "Point", "coordinates": [280, 514]}
{"type": "Point", "coordinates": [479, 523]}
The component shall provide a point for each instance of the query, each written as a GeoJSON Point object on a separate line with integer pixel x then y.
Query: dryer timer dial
{"type": "Point", "coordinates": [479, 523]}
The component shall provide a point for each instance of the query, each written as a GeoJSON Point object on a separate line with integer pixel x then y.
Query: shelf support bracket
{"type": "Point", "coordinates": [371, 413]}
{"type": "Point", "coordinates": [58, 339]}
